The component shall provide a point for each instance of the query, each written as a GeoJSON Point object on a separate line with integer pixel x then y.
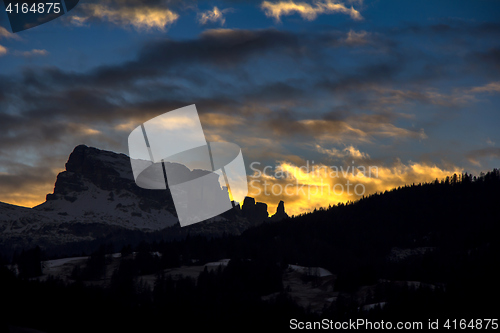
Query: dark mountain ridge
{"type": "Point", "coordinates": [96, 200]}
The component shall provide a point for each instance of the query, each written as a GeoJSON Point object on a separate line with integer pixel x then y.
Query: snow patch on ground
{"type": "Point", "coordinates": [314, 271]}
{"type": "Point", "coordinates": [368, 307]}
{"type": "Point", "coordinates": [59, 262]}
{"type": "Point", "coordinates": [222, 262]}
{"type": "Point", "coordinates": [398, 254]}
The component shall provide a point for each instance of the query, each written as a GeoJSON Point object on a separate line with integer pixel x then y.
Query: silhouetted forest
{"type": "Point", "coordinates": [450, 229]}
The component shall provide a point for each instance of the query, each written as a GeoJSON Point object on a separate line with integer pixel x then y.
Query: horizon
{"type": "Point", "coordinates": [271, 209]}
{"type": "Point", "coordinates": [411, 89]}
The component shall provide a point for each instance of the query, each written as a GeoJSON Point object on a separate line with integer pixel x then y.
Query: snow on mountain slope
{"type": "Point", "coordinates": [120, 208]}
{"type": "Point", "coordinates": [97, 188]}
{"type": "Point", "coordinates": [315, 271]}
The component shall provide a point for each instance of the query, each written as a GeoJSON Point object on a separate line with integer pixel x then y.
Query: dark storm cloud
{"type": "Point", "coordinates": [28, 183]}
{"type": "Point", "coordinates": [449, 27]}
{"type": "Point", "coordinates": [41, 97]}
{"type": "Point", "coordinates": [224, 49]}
{"type": "Point", "coordinates": [362, 78]}
{"type": "Point", "coordinates": [353, 128]}
{"type": "Point", "coordinates": [24, 176]}
{"type": "Point", "coordinates": [100, 94]}
{"type": "Point", "coordinates": [142, 3]}
{"type": "Point", "coordinates": [476, 156]}
{"type": "Point", "coordinates": [487, 61]}
{"type": "Point", "coordinates": [220, 47]}
{"type": "Point", "coordinates": [276, 92]}
{"type": "Point", "coordinates": [459, 47]}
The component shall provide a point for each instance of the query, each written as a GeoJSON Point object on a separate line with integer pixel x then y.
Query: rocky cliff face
{"type": "Point", "coordinates": [99, 185]}
{"type": "Point", "coordinates": [104, 173]}
{"type": "Point", "coordinates": [256, 212]}
{"type": "Point", "coordinates": [280, 213]}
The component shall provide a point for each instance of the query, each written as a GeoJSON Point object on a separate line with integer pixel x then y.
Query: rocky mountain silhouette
{"type": "Point", "coordinates": [96, 197]}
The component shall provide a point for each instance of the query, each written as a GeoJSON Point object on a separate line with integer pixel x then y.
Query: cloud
{"type": "Point", "coordinates": [490, 87]}
{"type": "Point", "coordinates": [450, 27]}
{"type": "Point", "coordinates": [220, 120]}
{"type": "Point", "coordinates": [32, 53]}
{"type": "Point", "coordinates": [213, 16]}
{"type": "Point", "coordinates": [3, 50]}
{"type": "Point", "coordinates": [307, 11]}
{"type": "Point", "coordinates": [222, 48]}
{"type": "Point", "coordinates": [457, 97]}
{"type": "Point", "coordinates": [476, 156]}
{"type": "Point", "coordinates": [127, 126]}
{"type": "Point", "coordinates": [82, 129]}
{"type": "Point", "coordinates": [349, 151]}
{"type": "Point", "coordinates": [26, 185]}
{"type": "Point", "coordinates": [78, 21]}
{"type": "Point", "coordinates": [356, 38]}
{"type": "Point", "coordinates": [488, 61]}
{"type": "Point", "coordinates": [4, 33]}
{"type": "Point", "coordinates": [362, 129]}
{"type": "Point", "coordinates": [308, 186]}
{"type": "Point", "coordinates": [140, 17]}
{"type": "Point", "coordinates": [427, 95]}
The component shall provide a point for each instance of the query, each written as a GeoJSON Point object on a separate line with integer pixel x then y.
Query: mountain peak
{"type": "Point", "coordinates": [99, 183]}
{"type": "Point", "coordinates": [97, 196]}
{"type": "Point", "coordinates": [280, 212]}
{"type": "Point", "coordinates": [89, 161]}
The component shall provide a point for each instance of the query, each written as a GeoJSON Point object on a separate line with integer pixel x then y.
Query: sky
{"type": "Point", "coordinates": [316, 93]}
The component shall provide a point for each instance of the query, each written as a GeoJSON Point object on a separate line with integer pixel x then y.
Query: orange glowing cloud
{"type": "Point", "coordinates": [141, 18]}
{"type": "Point", "coordinates": [307, 11]}
{"type": "Point", "coordinates": [310, 186]}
